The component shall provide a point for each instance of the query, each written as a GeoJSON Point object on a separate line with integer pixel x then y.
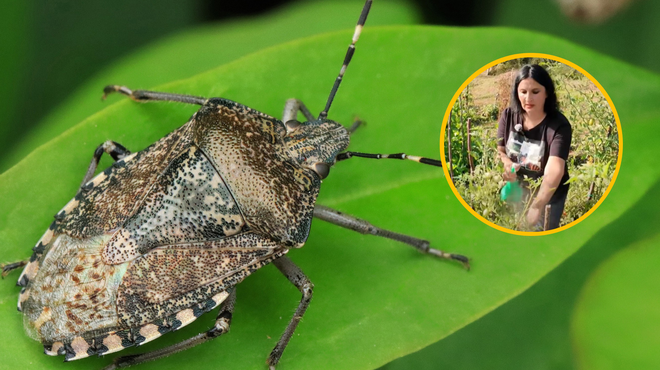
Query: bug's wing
{"type": "Point", "coordinates": [171, 278]}
{"type": "Point", "coordinates": [171, 286]}
{"type": "Point", "coordinates": [104, 203]}
{"type": "Point", "coordinates": [110, 198]}
{"type": "Point", "coordinates": [165, 289]}
{"type": "Point", "coordinates": [187, 202]}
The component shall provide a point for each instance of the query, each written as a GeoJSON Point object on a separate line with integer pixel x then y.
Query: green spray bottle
{"type": "Point", "coordinates": [511, 191]}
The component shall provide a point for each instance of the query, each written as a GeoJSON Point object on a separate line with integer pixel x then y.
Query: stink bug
{"type": "Point", "coordinates": [166, 234]}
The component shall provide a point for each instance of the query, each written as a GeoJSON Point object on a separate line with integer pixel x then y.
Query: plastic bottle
{"type": "Point", "coordinates": [511, 191]}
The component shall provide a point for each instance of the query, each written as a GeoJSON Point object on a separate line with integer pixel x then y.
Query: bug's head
{"type": "Point", "coordinates": [315, 144]}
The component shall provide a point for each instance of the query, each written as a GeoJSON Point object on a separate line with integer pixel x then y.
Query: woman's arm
{"type": "Point", "coordinates": [554, 171]}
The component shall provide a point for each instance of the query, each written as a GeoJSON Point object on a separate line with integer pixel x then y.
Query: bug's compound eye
{"type": "Point", "coordinates": [292, 125]}
{"type": "Point", "coordinates": [322, 169]}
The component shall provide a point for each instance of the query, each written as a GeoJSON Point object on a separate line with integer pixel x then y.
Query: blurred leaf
{"type": "Point", "coordinates": [619, 36]}
{"type": "Point", "coordinates": [188, 53]}
{"type": "Point", "coordinates": [14, 28]}
{"type": "Point", "coordinates": [617, 318]}
{"type": "Point", "coordinates": [68, 41]}
{"type": "Point", "coordinates": [375, 300]}
{"type": "Point", "coordinates": [531, 331]}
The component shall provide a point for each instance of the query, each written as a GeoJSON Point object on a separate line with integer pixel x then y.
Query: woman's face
{"type": "Point", "coordinates": [532, 96]}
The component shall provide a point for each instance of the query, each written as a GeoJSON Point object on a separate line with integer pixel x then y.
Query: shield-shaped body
{"type": "Point", "coordinates": [163, 235]}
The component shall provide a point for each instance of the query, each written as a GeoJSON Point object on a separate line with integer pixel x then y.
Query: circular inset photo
{"type": "Point", "coordinates": [531, 144]}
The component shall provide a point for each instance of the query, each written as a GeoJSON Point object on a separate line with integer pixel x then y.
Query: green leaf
{"type": "Point", "coordinates": [375, 300]}
{"type": "Point", "coordinates": [617, 318]}
{"type": "Point", "coordinates": [186, 54]}
{"type": "Point", "coordinates": [531, 331]}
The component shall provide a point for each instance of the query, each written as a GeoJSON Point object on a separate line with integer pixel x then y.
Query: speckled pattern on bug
{"type": "Point", "coordinates": [165, 234]}
{"type": "Point", "coordinates": [155, 240]}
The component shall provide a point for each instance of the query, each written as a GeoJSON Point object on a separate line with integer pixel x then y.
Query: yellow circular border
{"type": "Point", "coordinates": [451, 105]}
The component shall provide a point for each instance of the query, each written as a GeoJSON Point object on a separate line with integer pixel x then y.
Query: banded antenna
{"type": "Point", "coordinates": [402, 156]}
{"type": "Point", "coordinates": [324, 114]}
{"type": "Point", "coordinates": [347, 58]}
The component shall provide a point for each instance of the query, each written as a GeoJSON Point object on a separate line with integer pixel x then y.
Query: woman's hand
{"type": "Point", "coordinates": [508, 163]}
{"type": "Point", "coordinates": [508, 174]}
{"type": "Point", "coordinates": [552, 175]}
{"type": "Point", "coordinates": [533, 216]}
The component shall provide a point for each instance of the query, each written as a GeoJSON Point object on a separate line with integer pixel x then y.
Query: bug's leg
{"type": "Point", "coordinates": [145, 95]}
{"type": "Point", "coordinates": [221, 326]}
{"type": "Point", "coordinates": [9, 267]}
{"type": "Point", "coordinates": [116, 151]}
{"type": "Point", "coordinates": [297, 278]}
{"type": "Point", "coordinates": [364, 227]}
{"type": "Point", "coordinates": [291, 108]}
{"type": "Point", "coordinates": [356, 123]}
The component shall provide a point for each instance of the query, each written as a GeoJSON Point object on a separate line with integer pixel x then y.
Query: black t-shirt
{"type": "Point", "coordinates": [531, 149]}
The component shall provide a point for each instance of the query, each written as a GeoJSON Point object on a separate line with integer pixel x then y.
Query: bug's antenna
{"type": "Point", "coordinates": [347, 58]}
{"type": "Point", "coordinates": [424, 160]}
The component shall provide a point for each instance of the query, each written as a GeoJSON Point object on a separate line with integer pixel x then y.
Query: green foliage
{"type": "Point", "coordinates": [363, 284]}
{"type": "Point", "coordinates": [619, 37]}
{"type": "Point", "coordinates": [197, 50]}
{"type": "Point", "coordinates": [537, 329]}
{"type": "Point", "coordinates": [592, 160]}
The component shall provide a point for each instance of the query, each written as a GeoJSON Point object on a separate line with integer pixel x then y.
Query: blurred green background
{"type": "Point", "coordinates": [50, 49]}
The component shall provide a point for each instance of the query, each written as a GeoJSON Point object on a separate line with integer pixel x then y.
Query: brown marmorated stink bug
{"type": "Point", "coordinates": [165, 234]}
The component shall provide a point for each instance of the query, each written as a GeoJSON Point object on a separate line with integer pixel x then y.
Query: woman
{"type": "Point", "coordinates": [534, 138]}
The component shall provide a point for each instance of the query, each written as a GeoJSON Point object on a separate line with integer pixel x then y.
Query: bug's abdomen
{"type": "Point", "coordinates": [76, 284]}
{"type": "Point", "coordinates": [78, 306]}
{"type": "Point", "coordinates": [73, 292]}
{"type": "Point", "coordinates": [183, 247]}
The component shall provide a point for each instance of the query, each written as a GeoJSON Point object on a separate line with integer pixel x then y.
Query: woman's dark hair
{"type": "Point", "coordinates": [540, 75]}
